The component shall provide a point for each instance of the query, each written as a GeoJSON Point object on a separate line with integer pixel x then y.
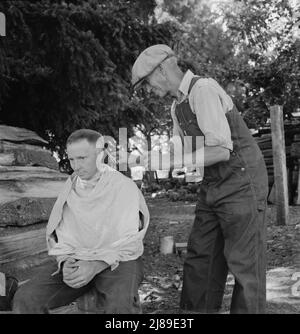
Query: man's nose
{"type": "Point", "coordinates": [76, 165]}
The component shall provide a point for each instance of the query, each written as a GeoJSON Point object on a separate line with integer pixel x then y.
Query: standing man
{"type": "Point", "coordinates": [229, 227]}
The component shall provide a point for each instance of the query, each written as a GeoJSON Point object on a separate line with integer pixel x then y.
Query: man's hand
{"type": "Point", "coordinates": [80, 273]}
{"type": "Point", "coordinates": [69, 267]}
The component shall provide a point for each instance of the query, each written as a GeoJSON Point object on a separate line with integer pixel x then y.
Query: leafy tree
{"type": "Point", "coordinates": [249, 44]}
{"type": "Point", "coordinates": [68, 64]}
{"type": "Point", "coordinates": [264, 32]}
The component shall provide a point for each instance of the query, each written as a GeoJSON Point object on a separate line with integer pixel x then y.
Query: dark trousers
{"type": "Point", "coordinates": [117, 291]}
{"type": "Point", "coordinates": [228, 234]}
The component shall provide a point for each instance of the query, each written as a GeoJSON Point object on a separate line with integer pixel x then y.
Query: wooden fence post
{"type": "Point", "coordinates": [280, 170]}
{"type": "Point", "coordinates": [298, 185]}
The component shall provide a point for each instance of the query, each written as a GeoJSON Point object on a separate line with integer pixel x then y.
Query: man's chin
{"type": "Point", "coordinates": [82, 176]}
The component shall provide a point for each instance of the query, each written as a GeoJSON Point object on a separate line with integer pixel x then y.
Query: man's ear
{"type": "Point", "coordinates": [98, 150]}
{"type": "Point", "coordinates": [100, 143]}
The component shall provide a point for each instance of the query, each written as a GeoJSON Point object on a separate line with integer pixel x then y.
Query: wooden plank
{"type": "Point", "coordinates": [7, 146]}
{"type": "Point", "coordinates": [14, 268]}
{"type": "Point", "coordinates": [14, 134]}
{"type": "Point", "coordinates": [11, 190]}
{"type": "Point", "coordinates": [22, 245]}
{"type": "Point", "coordinates": [20, 173]}
{"type": "Point", "coordinates": [295, 150]}
{"type": "Point", "coordinates": [28, 155]}
{"type": "Point", "coordinates": [267, 153]}
{"type": "Point", "coordinates": [280, 170]}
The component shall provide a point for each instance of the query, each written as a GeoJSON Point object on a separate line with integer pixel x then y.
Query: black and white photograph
{"type": "Point", "coordinates": [149, 159]}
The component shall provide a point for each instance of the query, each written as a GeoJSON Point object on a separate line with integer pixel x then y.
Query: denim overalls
{"type": "Point", "coordinates": [229, 227]}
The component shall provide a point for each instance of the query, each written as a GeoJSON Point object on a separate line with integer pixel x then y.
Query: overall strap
{"type": "Point", "coordinates": [193, 81]}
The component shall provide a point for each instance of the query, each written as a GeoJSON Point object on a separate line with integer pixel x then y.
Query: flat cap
{"type": "Point", "coordinates": [148, 61]}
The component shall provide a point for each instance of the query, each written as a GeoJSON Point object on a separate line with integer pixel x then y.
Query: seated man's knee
{"type": "Point", "coordinates": [123, 303]}
{"type": "Point", "coordinates": [25, 303]}
{"type": "Point", "coordinates": [118, 290]}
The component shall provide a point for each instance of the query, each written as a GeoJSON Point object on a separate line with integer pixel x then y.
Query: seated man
{"type": "Point", "coordinates": [96, 232]}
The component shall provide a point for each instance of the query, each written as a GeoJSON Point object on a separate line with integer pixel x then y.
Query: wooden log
{"type": "Point", "coordinates": [25, 211]}
{"type": "Point", "coordinates": [280, 170]}
{"type": "Point", "coordinates": [21, 245]}
{"type": "Point", "coordinates": [35, 188]}
{"type": "Point", "coordinates": [14, 134]}
{"type": "Point", "coordinates": [18, 267]}
{"type": "Point", "coordinates": [267, 153]}
{"type": "Point", "coordinates": [27, 194]}
{"type": "Point", "coordinates": [18, 173]}
{"type": "Point", "coordinates": [7, 159]}
{"type": "Point", "coordinates": [269, 161]}
{"type": "Point", "coordinates": [265, 145]}
{"type": "Point", "coordinates": [28, 155]}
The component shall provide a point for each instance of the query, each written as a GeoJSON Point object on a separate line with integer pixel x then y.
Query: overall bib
{"type": "Point", "coordinates": [229, 227]}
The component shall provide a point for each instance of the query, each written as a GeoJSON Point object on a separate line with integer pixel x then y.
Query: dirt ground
{"type": "Point", "coordinates": [160, 291]}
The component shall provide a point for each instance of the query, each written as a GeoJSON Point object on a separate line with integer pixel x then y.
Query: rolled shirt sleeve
{"type": "Point", "coordinates": [206, 103]}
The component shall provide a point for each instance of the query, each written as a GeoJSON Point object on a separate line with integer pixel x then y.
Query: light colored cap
{"type": "Point", "coordinates": [148, 61]}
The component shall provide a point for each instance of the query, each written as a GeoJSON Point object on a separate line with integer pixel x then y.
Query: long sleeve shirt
{"type": "Point", "coordinates": [210, 103]}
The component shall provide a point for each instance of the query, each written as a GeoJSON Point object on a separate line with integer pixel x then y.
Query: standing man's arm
{"type": "Point", "coordinates": [207, 106]}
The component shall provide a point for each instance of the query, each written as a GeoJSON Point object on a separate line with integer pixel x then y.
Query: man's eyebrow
{"type": "Point", "coordinates": [77, 156]}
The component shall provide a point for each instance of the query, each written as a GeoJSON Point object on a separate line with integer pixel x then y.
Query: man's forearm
{"type": "Point", "coordinates": [213, 155]}
{"type": "Point", "coordinates": [207, 156]}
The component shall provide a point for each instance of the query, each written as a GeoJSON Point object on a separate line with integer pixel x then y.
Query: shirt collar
{"type": "Point", "coordinates": [183, 90]}
{"type": "Point", "coordinates": [84, 184]}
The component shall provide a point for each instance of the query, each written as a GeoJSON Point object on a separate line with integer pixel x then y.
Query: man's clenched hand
{"type": "Point", "coordinates": [77, 274]}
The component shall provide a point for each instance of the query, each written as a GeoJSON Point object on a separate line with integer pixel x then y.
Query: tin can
{"type": "Point", "coordinates": [167, 245]}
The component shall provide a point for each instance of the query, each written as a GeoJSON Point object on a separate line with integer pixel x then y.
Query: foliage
{"type": "Point", "coordinates": [247, 45]}
{"type": "Point", "coordinates": [65, 65]}
{"type": "Point", "coordinates": [69, 63]}
{"type": "Point", "coordinates": [265, 32]}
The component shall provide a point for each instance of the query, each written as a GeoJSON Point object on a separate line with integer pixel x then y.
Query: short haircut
{"type": "Point", "coordinates": [90, 135]}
